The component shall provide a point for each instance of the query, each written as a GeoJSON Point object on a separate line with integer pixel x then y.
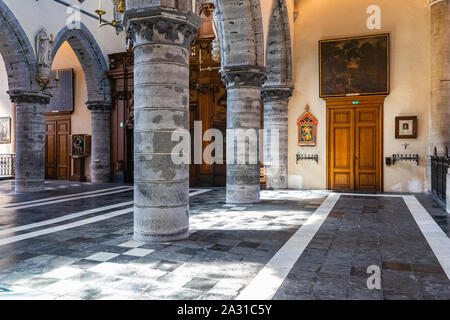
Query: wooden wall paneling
{"type": "Point", "coordinates": [122, 116]}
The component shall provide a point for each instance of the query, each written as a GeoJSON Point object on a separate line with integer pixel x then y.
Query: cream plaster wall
{"type": "Point", "coordinates": [6, 107]}
{"type": "Point", "coordinates": [408, 22]}
{"type": "Point", "coordinates": [65, 58]}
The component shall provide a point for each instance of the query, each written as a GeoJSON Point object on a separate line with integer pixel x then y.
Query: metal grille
{"type": "Point", "coordinates": [439, 169]}
{"type": "Point", "coordinates": [7, 165]}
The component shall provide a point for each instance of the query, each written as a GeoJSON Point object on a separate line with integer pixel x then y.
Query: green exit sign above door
{"type": "Point", "coordinates": [355, 102]}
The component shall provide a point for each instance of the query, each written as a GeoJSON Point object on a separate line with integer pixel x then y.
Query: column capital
{"type": "Point", "coordinates": [99, 105]}
{"type": "Point", "coordinates": [270, 94]}
{"type": "Point", "coordinates": [433, 2]}
{"type": "Point", "coordinates": [243, 76]}
{"type": "Point", "coordinates": [20, 96]}
{"type": "Point", "coordinates": [161, 26]}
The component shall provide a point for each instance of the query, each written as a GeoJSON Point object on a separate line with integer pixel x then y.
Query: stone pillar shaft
{"type": "Point", "coordinates": [448, 192]}
{"type": "Point", "coordinates": [100, 153]}
{"type": "Point", "coordinates": [244, 113]}
{"type": "Point", "coordinates": [440, 76]}
{"type": "Point", "coordinates": [276, 101]}
{"type": "Point", "coordinates": [161, 106]}
{"type": "Point", "coordinates": [30, 139]}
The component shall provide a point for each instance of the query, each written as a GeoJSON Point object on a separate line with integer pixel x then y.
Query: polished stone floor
{"type": "Point", "coordinates": [74, 241]}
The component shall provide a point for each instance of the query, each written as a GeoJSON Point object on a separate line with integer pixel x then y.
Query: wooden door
{"type": "Point", "coordinates": [63, 154]}
{"type": "Point", "coordinates": [50, 150]}
{"type": "Point", "coordinates": [367, 149]}
{"type": "Point", "coordinates": [57, 152]}
{"type": "Point", "coordinates": [355, 143]}
{"type": "Point", "coordinates": [341, 149]}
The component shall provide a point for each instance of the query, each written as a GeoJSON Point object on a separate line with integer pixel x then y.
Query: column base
{"type": "Point", "coordinates": [243, 194]}
{"type": "Point", "coordinates": [28, 186]}
{"type": "Point", "coordinates": [160, 238]}
{"type": "Point", "coordinates": [161, 224]}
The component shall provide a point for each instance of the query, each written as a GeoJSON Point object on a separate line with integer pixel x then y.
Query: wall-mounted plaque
{"type": "Point", "coordinates": [81, 145]}
{"type": "Point", "coordinates": [354, 66]}
{"type": "Point", "coordinates": [5, 130]}
{"type": "Point", "coordinates": [62, 100]}
{"type": "Point", "coordinates": [307, 129]}
{"type": "Point", "coordinates": [406, 127]}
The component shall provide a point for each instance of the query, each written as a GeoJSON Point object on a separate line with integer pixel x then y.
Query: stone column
{"type": "Point", "coordinates": [276, 120]}
{"type": "Point", "coordinates": [440, 76]}
{"type": "Point", "coordinates": [101, 141]}
{"type": "Point", "coordinates": [30, 139]}
{"type": "Point", "coordinates": [161, 43]}
{"type": "Point", "coordinates": [243, 112]}
{"type": "Point", "coordinates": [448, 192]}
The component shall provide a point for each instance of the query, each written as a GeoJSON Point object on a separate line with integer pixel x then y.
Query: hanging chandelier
{"type": "Point", "coordinates": [119, 10]}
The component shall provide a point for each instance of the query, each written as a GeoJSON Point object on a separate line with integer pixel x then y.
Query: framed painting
{"type": "Point", "coordinates": [5, 130]}
{"type": "Point", "coordinates": [62, 100]}
{"type": "Point", "coordinates": [405, 127]}
{"type": "Point", "coordinates": [307, 129]}
{"type": "Point", "coordinates": [81, 145]}
{"type": "Point", "coordinates": [354, 66]}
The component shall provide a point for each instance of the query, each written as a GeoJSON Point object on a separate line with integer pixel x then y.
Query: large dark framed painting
{"type": "Point", "coordinates": [62, 97]}
{"type": "Point", "coordinates": [354, 66]}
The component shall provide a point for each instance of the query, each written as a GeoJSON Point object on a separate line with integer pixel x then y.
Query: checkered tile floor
{"type": "Point", "coordinates": [227, 248]}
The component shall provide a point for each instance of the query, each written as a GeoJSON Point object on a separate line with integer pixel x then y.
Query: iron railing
{"type": "Point", "coordinates": [439, 169]}
{"type": "Point", "coordinates": [7, 165]}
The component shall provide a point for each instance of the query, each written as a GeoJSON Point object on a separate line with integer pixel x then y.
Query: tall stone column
{"type": "Point", "coordinates": [30, 139]}
{"type": "Point", "coordinates": [448, 193]}
{"type": "Point", "coordinates": [101, 140]}
{"type": "Point", "coordinates": [276, 121]}
{"type": "Point", "coordinates": [243, 112]}
{"type": "Point", "coordinates": [440, 76]}
{"type": "Point", "coordinates": [161, 43]}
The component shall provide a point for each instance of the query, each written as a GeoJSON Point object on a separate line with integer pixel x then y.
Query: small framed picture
{"type": "Point", "coordinates": [5, 130]}
{"type": "Point", "coordinates": [406, 127]}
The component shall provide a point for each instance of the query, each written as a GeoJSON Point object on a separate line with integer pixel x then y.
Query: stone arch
{"type": "Point", "coordinates": [91, 59]}
{"type": "Point", "coordinates": [241, 32]}
{"type": "Point", "coordinates": [279, 54]}
{"type": "Point", "coordinates": [17, 52]}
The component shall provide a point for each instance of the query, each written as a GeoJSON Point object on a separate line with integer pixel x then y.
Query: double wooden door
{"type": "Point", "coordinates": [355, 144]}
{"type": "Point", "coordinates": [57, 152]}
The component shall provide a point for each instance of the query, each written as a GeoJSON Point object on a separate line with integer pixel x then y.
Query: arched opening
{"type": "Point", "coordinates": [66, 115]}
{"type": "Point", "coordinates": [82, 64]}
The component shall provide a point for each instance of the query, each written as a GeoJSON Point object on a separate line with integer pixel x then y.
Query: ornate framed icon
{"type": "Point", "coordinates": [405, 127]}
{"type": "Point", "coordinates": [81, 145]}
{"type": "Point", "coordinates": [307, 129]}
{"type": "Point", "coordinates": [5, 130]}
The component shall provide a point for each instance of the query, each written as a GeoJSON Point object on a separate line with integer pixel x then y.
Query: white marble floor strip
{"type": "Point", "coordinates": [64, 218]}
{"type": "Point", "coordinates": [90, 195]}
{"type": "Point", "coordinates": [372, 195]}
{"type": "Point", "coordinates": [436, 238]}
{"type": "Point", "coordinates": [269, 279]}
{"type": "Point", "coordinates": [11, 205]}
{"type": "Point", "coordinates": [75, 224]}
{"type": "Point", "coordinates": [64, 226]}
{"type": "Point", "coordinates": [198, 191]}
